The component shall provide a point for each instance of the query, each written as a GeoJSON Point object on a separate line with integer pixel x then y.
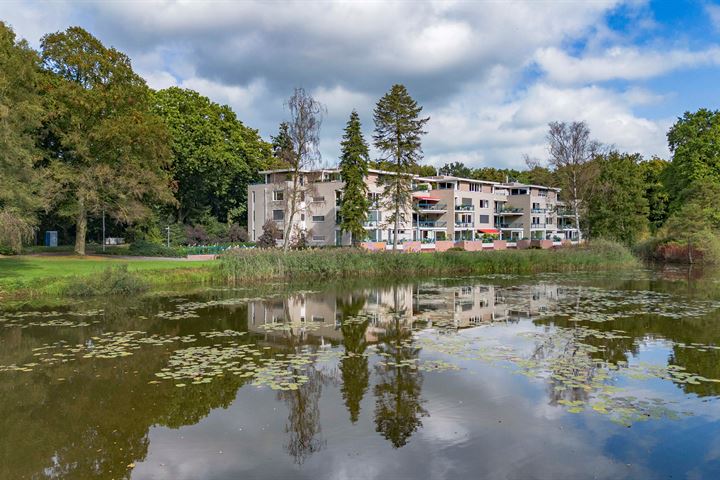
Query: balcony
{"type": "Point", "coordinates": [371, 224]}
{"type": "Point", "coordinates": [429, 224]}
{"type": "Point", "coordinates": [464, 225]}
{"type": "Point", "coordinates": [432, 207]}
{"type": "Point", "coordinates": [564, 212]}
{"type": "Point", "coordinates": [509, 226]}
{"type": "Point", "coordinates": [509, 211]}
{"type": "Point", "coordinates": [540, 210]}
{"type": "Point", "coordinates": [464, 208]}
{"type": "Point", "coordinates": [542, 226]}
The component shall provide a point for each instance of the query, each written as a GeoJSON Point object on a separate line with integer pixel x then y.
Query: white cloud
{"type": "Point", "coordinates": [471, 65]}
{"type": "Point", "coordinates": [627, 63]}
{"type": "Point", "coordinates": [713, 11]}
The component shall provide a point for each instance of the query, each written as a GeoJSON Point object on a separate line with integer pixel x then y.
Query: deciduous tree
{"type": "Point", "coordinates": [105, 150]}
{"type": "Point", "coordinates": [303, 132]}
{"type": "Point", "coordinates": [694, 142]}
{"type": "Point", "coordinates": [617, 207]}
{"type": "Point", "coordinates": [571, 150]}
{"type": "Point", "coordinates": [20, 117]}
{"type": "Point", "coordinates": [215, 156]}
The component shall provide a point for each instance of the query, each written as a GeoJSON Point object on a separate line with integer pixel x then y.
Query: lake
{"type": "Point", "coordinates": [548, 376]}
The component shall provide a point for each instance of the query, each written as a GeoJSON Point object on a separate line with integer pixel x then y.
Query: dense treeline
{"type": "Point", "coordinates": [84, 138]}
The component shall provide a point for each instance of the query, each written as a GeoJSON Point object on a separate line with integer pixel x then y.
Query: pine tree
{"type": "Point", "coordinates": [398, 132]}
{"type": "Point", "coordinates": [353, 170]}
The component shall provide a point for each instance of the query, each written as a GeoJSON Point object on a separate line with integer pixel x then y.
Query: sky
{"type": "Point", "coordinates": [489, 74]}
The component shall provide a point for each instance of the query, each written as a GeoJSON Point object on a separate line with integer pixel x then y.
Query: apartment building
{"type": "Point", "coordinates": [443, 208]}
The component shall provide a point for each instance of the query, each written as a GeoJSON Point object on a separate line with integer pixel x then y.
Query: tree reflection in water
{"type": "Point", "coordinates": [398, 404]}
{"type": "Point", "coordinates": [354, 364]}
{"type": "Point", "coordinates": [303, 423]}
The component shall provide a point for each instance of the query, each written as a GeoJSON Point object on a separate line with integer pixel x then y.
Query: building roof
{"type": "Point", "coordinates": [434, 178]}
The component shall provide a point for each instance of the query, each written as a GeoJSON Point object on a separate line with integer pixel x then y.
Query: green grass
{"type": "Point", "coordinates": [241, 266]}
{"type": "Point", "coordinates": [39, 275]}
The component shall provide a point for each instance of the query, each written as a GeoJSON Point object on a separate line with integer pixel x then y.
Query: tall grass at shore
{"type": "Point", "coordinates": [253, 265]}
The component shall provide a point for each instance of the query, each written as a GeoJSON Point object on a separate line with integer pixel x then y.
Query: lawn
{"type": "Point", "coordinates": [42, 272]}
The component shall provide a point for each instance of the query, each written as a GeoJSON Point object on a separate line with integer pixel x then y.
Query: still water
{"type": "Point", "coordinates": [549, 376]}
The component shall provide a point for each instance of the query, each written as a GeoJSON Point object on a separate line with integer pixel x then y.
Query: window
{"type": "Point", "coordinates": [338, 198]}
{"type": "Point", "coordinates": [484, 203]}
{"type": "Point", "coordinates": [302, 217]}
{"type": "Point", "coordinates": [318, 199]}
{"type": "Point", "coordinates": [318, 238]}
{"type": "Point", "coordinates": [318, 218]}
{"type": "Point", "coordinates": [484, 218]}
{"type": "Point", "coordinates": [316, 318]}
{"type": "Point", "coordinates": [278, 195]}
{"type": "Point", "coordinates": [475, 187]}
{"type": "Point", "coordinates": [536, 220]}
{"type": "Point", "coordinates": [518, 191]}
{"type": "Point", "coordinates": [278, 215]}
{"type": "Point", "coordinates": [374, 216]}
{"type": "Point", "coordinates": [446, 186]}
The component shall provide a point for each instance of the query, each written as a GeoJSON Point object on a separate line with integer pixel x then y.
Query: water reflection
{"type": "Point", "coordinates": [363, 356]}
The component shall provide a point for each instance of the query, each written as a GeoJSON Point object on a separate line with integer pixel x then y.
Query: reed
{"type": "Point", "coordinates": [253, 265]}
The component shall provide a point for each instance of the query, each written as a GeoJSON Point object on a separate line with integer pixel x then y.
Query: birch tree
{"type": "Point", "coordinates": [303, 130]}
{"type": "Point", "coordinates": [571, 151]}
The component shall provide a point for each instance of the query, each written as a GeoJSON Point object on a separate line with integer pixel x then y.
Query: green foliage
{"type": "Point", "coordinates": [282, 147]}
{"type": "Point", "coordinates": [456, 169]}
{"type": "Point", "coordinates": [115, 280]}
{"type": "Point", "coordinates": [105, 150]}
{"type": "Point", "coordinates": [696, 223]}
{"type": "Point", "coordinates": [656, 194]}
{"type": "Point", "coordinates": [353, 171]}
{"type": "Point", "coordinates": [20, 116]}
{"type": "Point", "coordinates": [694, 141]}
{"type": "Point", "coordinates": [214, 156]}
{"type": "Point", "coordinates": [143, 248]}
{"type": "Point", "coordinates": [617, 207]}
{"type": "Point", "coordinates": [398, 133]}
{"type": "Point", "coordinates": [270, 234]}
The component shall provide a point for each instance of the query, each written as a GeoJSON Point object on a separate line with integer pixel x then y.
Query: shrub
{"type": "Point", "coordinates": [116, 280]}
{"type": "Point", "coordinates": [455, 249]}
{"type": "Point", "coordinates": [146, 249]}
{"type": "Point", "coordinates": [236, 233]}
{"type": "Point", "coordinates": [269, 236]}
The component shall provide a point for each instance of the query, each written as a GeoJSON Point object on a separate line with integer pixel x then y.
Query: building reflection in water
{"type": "Point", "coordinates": [385, 317]}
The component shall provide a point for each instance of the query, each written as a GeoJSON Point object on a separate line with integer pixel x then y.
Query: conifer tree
{"type": "Point", "coordinates": [353, 170]}
{"type": "Point", "coordinates": [398, 132]}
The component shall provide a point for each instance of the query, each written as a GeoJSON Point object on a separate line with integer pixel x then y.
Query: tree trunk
{"type": "Point", "coordinates": [80, 228]}
{"type": "Point", "coordinates": [576, 203]}
{"type": "Point", "coordinates": [397, 215]}
{"type": "Point", "coordinates": [291, 213]}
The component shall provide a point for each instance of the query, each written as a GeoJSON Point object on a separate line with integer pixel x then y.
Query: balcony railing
{"type": "Point", "coordinates": [540, 210]}
{"type": "Point", "coordinates": [432, 206]}
{"type": "Point", "coordinates": [464, 224]}
{"type": "Point", "coordinates": [542, 225]}
{"type": "Point", "coordinates": [509, 210]}
{"type": "Point", "coordinates": [430, 224]}
{"type": "Point", "coordinates": [508, 225]}
{"type": "Point", "coordinates": [464, 208]}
